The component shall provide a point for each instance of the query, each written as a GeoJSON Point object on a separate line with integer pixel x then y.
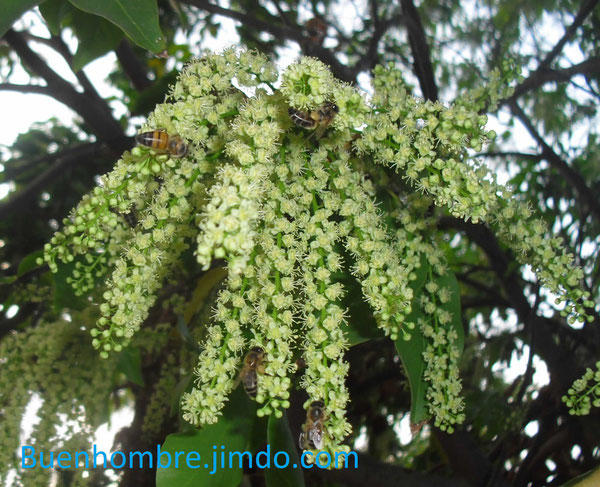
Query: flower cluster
{"type": "Point", "coordinates": [292, 213]}
{"type": "Point", "coordinates": [77, 372]}
{"type": "Point", "coordinates": [584, 393]}
{"type": "Point", "coordinates": [526, 236]}
{"type": "Point", "coordinates": [427, 143]}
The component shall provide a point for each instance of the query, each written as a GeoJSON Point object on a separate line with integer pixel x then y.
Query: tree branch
{"type": "Point", "coordinates": [369, 59]}
{"type": "Point", "coordinates": [555, 354]}
{"type": "Point", "coordinates": [572, 177]}
{"type": "Point", "coordinates": [37, 89]}
{"type": "Point", "coordinates": [420, 50]}
{"type": "Point", "coordinates": [92, 109]}
{"type": "Point", "coordinates": [493, 296]}
{"type": "Point", "coordinates": [132, 67]}
{"type": "Point", "coordinates": [281, 12]}
{"type": "Point", "coordinates": [543, 73]}
{"type": "Point", "coordinates": [521, 155]}
{"type": "Point", "coordinates": [339, 70]}
{"type": "Point", "coordinates": [19, 201]}
{"type": "Point", "coordinates": [541, 76]}
{"type": "Point", "coordinates": [586, 8]}
{"type": "Point", "coordinates": [248, 19]}
{"type": "Point", "coordinates": [59, 45]}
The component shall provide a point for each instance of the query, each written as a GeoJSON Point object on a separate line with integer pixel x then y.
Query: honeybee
{"type": "Point", "coordinates": [160, 141]}
{"type": "Point", "coordinates": [311, 436]}
{"type": "Point", "coordinates": [253, 362]}
{"type": "Point", "coordinates": [317, 120]}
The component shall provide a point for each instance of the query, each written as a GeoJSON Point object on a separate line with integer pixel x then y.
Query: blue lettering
{"type": "Point", "coordinates": [87, 459]}
{"type": "Point", "coordinates": [112, 459]}
{"type": "Point", "coordinates": [159, 455]}
{"type": "Point", "coordinates": [140, 456]}
{"type": "Point", "coordinates": [345, 456]}
{"type": "Point", "coordinates": [327, 456]}
{"type": "Point", "coordinates": [214, 464]}
{"type": "Point", "coordinates": [25, 456]}
{"type": "Point", "coordinates": [306, 465]}
{"type": "Point", "coordinates": [95, 453]}
{"type": "Point", "coordinates": [177, 455]}
{"type": "Point", "coordinates": [285, 456]}
{"type": "Point", "coordinates": [240, 456]}
{"type": "Point", "coordinates": [59, 459]}
{"type": "Point", "coordinates": [51, 464]}
{"type": "Point", "coordinates": [267, 454]}
{"type": "Point", "coordinates": [196, 458]}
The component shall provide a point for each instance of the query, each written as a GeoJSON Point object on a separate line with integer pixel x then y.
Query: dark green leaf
{"type": "Point", "coordinates": [154, 94]}
{"type": "Point", "coordinates": [588, 479]}
{"type": "Point", "coordinates": [12, 10]}
{"type": "Point", "coordinates": [411, 351]}
{"type": "Point", "coordinates": [231, 431]}
{"type": "Point", "coordinates": [96, 37]}
{"type": "Point", "coordinates": [258, 436]}
{"type": "Point", "coordinates": [54, 12]}
{"type": "Point", "coordinates": [411, 354]}
{"type": "Point", "coordinates": [187, 335]}
{"type": "Point", "coordinates": [7, 279]}
{"type": "Point", "coordinates": [130, 364]}
{"type": "Point", "coordinates": [449, 280]}
{"type": "Point", "coordinates": [137, 18]}
{"type": "Point", "coordinates": [64, 294]}
{"type": "Point", "coordinates": [281, 439]}
{"type": "Point", "coordinates": [29, 262]}
{"type": "Point", "coordinates": [421, 274]}
{"type": "Point", "coordinates": [361, 325]}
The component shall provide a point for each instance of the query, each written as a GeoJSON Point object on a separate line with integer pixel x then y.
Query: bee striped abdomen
{"type": "Point", "coordinates": [156, 139]}
{"type": "Point", "coordinates": [160, 141]}
{"type": "Point", "coordinates": [253, 365]}
{"type": "Point", "coordinates": [251, 384]}
{"type": "Point", "coordinates": [303, 119]}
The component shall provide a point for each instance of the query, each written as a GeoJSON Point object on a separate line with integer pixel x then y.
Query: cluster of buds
{"type": "Point", "coordinates": [271, 181]}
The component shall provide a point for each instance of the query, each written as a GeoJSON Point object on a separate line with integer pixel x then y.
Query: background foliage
{"type": "Point", "coordinates": [517, 430]}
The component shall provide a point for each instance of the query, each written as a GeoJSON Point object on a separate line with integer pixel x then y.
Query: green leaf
{"type": "Point", "coordinates": [202, 290]}
{"type": "Point", "coordinates": [421, 273]}
{"type": "Point", "coordinates": [12, 11]}
{"type": "Point", "coordinates": [258, 436]}
{"type": "Point", "coordinates": [411, 354]}
{"type": "Point", "coordinates": [130, 364]}
{"type": "Point", "coordinates": [231, 431]}
{"type": "Point", "coordinates": [449, 280]}
{"type": "Point", "coordinates": [137, 18]}
{"type": "Point", "coordinates": [184, 330]}
{"type": "Point", "coordinates": [361, 325]}
{"type": "Point", "coordinates": [7, 279]}
{"type": "Point", "coordinates": [29, 262]}
{"type": "Point", "coordinates": [96, 37]}
{"type": "Point", "coordinates": [64, 294]}
{"type": "Point", "coordinates": [588, 479]}
{"type": "Point", "coordinates": [411, 351]}
{"type": "Point", "coordinates": [281, 439]}
{"type": "Point", "coordinates": [153, 95]}
{"type": "Point", "coordinates": [184, 384]}
{"type": "Point", "coordinates": [54, 12]}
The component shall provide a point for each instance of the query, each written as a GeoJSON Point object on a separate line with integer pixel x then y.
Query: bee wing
{"type": "Point", "coordinates": [302, 441]}
{"type": "Point", "coordinates": [315, 437]}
